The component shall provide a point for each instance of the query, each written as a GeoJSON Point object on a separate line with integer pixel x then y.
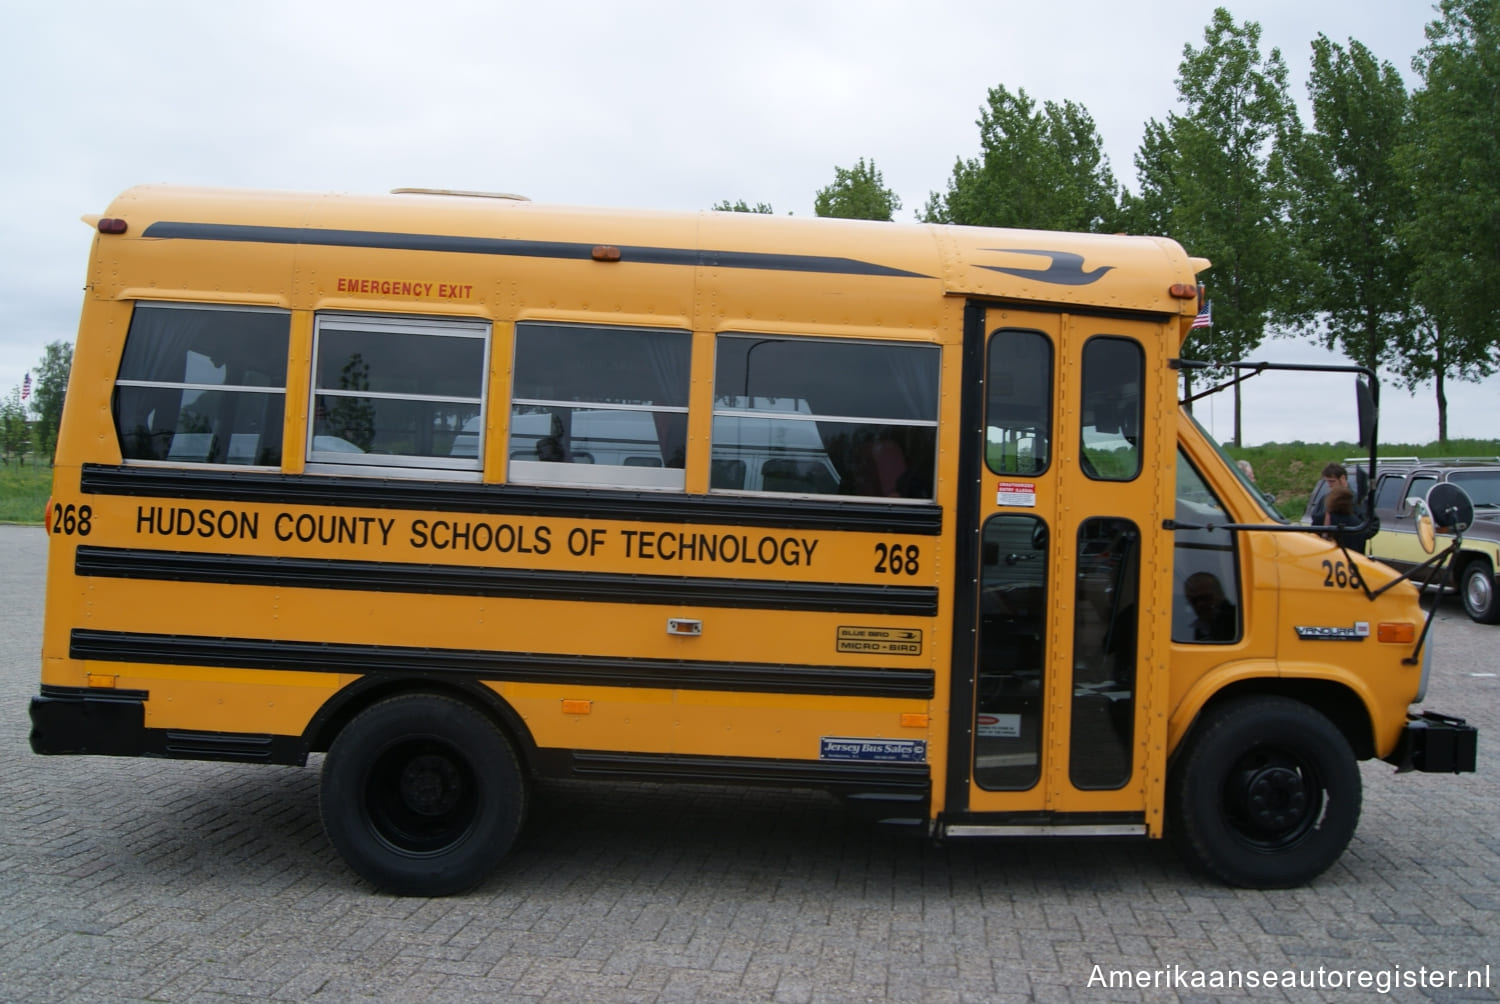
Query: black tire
{"type": "Point", "coordinates": [1265, 795]}
{"type": "Point", "coordinates": [422, 795]}
{"type": "Point", "coordinates": [1477, 587]}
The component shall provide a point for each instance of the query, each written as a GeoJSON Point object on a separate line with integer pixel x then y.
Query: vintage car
{"type": "Point", "coordinates": [1471, 572]}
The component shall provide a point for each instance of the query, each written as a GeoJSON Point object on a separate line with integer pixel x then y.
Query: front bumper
{"type": "Point", "coordinates": [1436, 744]}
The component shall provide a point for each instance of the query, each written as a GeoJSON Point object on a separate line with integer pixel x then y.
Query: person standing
{"type": "Point", "coordinates": [1339, 512]}
{"type": "Point", "coordinates": [1335, 475]}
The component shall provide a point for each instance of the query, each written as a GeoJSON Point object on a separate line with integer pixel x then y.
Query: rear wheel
{"type": "Point", "coordinates": [1265, 795]}
{"type": "Point", "coordinates": [1478, 591]}
{"type": "Point", "coordinates": [422, 795]}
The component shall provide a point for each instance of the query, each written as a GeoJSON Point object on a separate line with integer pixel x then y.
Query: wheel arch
{"type": "Point", "coordinates": [340, 709]}
{"type": "Point", "coordinates": [1335, 700]}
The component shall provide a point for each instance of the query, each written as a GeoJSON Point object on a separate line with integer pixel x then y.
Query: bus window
{"type": "Point", "coordinates": [1018, 404]}
{"type": "Point", "coordinates": [1206, 594]}
{"type": "Point", "coordinates": [823, 417]}
{"type": "Point", "coordinates": [1104, 646]}
{"type": "Point", "coordinates": [596, 405]}
{"type": "Point", "coordinates": [1111, 440]}
{"type": "Point", "coordinates": [398, 392]}
{"type": "Point", "coordinates": [1012, 653]}
{"type": "Point", "coordinates": [202, 385]}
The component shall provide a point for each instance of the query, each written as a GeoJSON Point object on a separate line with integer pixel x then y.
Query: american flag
{"type": "Point", "coordinates": [1205, 318]}
{"type": "Point", "coordinates": [26, 387]}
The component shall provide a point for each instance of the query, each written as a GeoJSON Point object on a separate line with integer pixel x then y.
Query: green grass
{"type": "Point", "coordinates": [24, 489]}
{"type": "Point", "coordinates": [1289, 470]}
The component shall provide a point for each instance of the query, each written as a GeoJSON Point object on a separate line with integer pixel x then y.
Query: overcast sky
{"type": "Point", "coordinates": [658, 105]}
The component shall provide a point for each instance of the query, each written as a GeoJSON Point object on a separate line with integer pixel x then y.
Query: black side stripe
{"type": "Point", "coordinates": [509, 500]}
{"type": "Point", "coordinates": [894, 780]}
{"type": "Point", "coordinates": [499, 666]}
{"type": "Point", "coordinates": [516, 583]}
{"type": "Point", "coordinates": [694, 257]}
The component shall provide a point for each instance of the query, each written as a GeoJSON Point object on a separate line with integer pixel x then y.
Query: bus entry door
{"type": "Point", "coordinates": [1054, 709]}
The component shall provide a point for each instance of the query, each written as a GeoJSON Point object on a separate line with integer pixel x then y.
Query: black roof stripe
{"type": "Point", "coordinates": [702, 258]}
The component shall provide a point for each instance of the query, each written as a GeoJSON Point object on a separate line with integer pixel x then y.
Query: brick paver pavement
{"type": "Point", "coordinates": [140, 880]}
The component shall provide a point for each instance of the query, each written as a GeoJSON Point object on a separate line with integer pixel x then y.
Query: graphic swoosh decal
{"type": "Point", "coordinates": [1065, 268]}
{"type": "Point", "coordinates": [698, 257]}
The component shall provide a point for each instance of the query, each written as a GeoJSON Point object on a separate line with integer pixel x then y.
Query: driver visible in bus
{"type": "Point", "coordinates": [1216, 617]}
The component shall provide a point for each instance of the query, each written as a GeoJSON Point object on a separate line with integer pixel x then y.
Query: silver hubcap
{"type": "Point", "coordinates": [1477, 592]}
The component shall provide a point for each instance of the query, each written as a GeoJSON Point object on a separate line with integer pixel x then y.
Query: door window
{"type": "Point", "coordinates": [1111, 436]}
{"type": "Point", "coordinates": [1012, 653]}
{"type": "Point", "coordinates": [1018, 402]}
{"type": "Point", "coordinates": [1105, 609]}
{"type": "Point", "coordinates": [1206, 594]}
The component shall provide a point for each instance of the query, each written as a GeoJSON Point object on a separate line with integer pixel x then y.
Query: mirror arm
{"type": "Point", "coordinates": [1172, 524]}
{"type": "Point", "coordinates": [1436, 561]}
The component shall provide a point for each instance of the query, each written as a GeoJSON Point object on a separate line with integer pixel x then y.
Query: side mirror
{"type": "Point", "coordinates": [1364, 402]}
{"type": "Point", "coordinates": [1447, 508]}
{"type": "Point", "coordinates": [1451, 508]}
{"type": "Point", "coordinates": [1426, 536]}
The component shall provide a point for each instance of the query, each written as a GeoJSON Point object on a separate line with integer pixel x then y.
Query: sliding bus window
{"type": "Point", "coordinates": [595, 405]}
{"type": "Point", "coordinates": [203, 385]}
{"type": "Point", "coordinates": [817, 416]}
{"type": "Point", "coordinates": [398, 395]}
{"type": "Point", "coordinates": [1018, 402]}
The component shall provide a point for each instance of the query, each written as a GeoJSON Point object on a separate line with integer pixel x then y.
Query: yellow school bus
{"type": "Point", "coordinates": [464, 492]}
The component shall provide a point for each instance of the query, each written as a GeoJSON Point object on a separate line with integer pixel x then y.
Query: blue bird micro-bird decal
{"type": "Point", "coordinates": [1065, 268]}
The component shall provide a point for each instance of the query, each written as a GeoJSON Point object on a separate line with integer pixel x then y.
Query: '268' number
{"type": "Point", "coordinates": [1340, 575]}
{"type": "Point", "coordinates": [70, 519]}
{"type": "Point", "coordinates": [897, 560]}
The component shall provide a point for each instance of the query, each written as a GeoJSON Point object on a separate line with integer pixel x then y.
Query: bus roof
{"type": "Point", "coordinates": [1098, 271]}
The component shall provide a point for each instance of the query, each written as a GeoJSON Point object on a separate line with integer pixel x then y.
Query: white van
{"type": "Point", "coordinates": [750, 454]}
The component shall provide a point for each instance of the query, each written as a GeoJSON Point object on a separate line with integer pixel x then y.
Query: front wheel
{"type": "Point", "coordinates": [1478, 591]}
{"type": "Point", "coordinates": [1265, 795]}
{"type": "Point", "coordinates": [422, 795]}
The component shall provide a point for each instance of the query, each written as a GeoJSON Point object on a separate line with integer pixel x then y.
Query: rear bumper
{"type": "Point", "coordinates": [100, 722]}
{"type": "Point", "coordinates": [1436, 744]}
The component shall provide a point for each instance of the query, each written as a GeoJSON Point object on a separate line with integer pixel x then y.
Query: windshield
{"type": "Point", "coordinates": [1261, 498]}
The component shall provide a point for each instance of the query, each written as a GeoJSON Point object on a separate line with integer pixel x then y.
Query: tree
{"type": "Point", "coordinates": [740, 206]}
{"type": "Point", "coordinates": [15, 432]}
{"type": "Point", "coordinates": [1215, 179]}
{"type": "Point", "coordinates": [858, 193]}
{"type": "Point", "coordinates": [1043, 170]}
{"type": "Point", "coordinates": [48, 392]}
{"type": "Point", "coordinates": [1156, 164]}
{"type": "Point", "coordinates": [1452, 163]}
{"type": "Point", "coordinates": [1352, 204]}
